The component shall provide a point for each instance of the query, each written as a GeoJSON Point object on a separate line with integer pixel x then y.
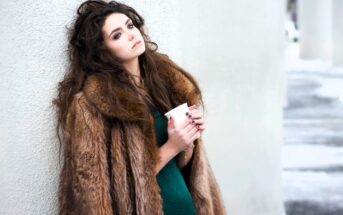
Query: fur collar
{"type": "Point", "coordinates": [182, 90]}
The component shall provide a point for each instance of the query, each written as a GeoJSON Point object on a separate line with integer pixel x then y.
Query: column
{"type": "Point", "coordinates": [315, 38]}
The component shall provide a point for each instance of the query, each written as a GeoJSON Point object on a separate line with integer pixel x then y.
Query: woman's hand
{"type": "Point", "coordinates": [182, 136]}
{"type": "Point", "coordinates": [197, 116]}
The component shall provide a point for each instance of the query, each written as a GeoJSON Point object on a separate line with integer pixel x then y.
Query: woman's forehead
{"type": "Point", "coordinates": [116, 20]}
{"type": "Point", "coordinates": [113, 21]}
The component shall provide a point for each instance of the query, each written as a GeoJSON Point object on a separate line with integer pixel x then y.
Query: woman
{"type": "Point", "coordinates": [121, 155]}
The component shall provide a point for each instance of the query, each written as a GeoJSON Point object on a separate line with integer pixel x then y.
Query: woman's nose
{"type": "Point", "coordinates": [131, 37]}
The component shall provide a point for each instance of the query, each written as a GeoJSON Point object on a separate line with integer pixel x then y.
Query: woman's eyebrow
{"type": "Point", "coordinates": [118, 28]}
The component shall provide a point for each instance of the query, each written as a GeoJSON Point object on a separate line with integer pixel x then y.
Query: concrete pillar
{"type": "Point", "coordinates": [337, 31]}
{"type": "Point", "coordinates": [315, 29]}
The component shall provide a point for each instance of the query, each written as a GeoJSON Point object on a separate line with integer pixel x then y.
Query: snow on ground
{"type": "Point", "coordinates": [312, 157]}
{"type": "Point", "coordinates": [313, 137]}
{"type": "Point", "coordinates": [331, 87]}
{"type": "Point", "coordinates": [300, 187]}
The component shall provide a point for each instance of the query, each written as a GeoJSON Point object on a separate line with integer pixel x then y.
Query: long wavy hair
{"type": "Point", "coordinates": [87, 55]}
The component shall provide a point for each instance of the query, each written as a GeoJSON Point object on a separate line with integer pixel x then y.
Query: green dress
{"type": "Point", "coordinates": [177, 199]}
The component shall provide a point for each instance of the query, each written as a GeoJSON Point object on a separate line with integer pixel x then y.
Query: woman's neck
{"type": "Point", "coordinates": [132, 67]}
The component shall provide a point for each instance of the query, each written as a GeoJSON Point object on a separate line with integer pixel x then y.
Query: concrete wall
{"type": "Point", "coordinates": [31, 52]}
{"type": "Point", "coordinates": [233, 48]}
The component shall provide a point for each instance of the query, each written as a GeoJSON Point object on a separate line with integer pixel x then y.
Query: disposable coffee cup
{"type": "Point", "coordinates": [178, 114]}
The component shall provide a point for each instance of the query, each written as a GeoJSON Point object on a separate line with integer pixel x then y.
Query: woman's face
{"type": "Point", "coordinates": [122, 38]}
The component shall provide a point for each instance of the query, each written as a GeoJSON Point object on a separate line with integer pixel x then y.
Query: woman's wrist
{"type": "Point", "coordinates": [166, 152]}
{"type": "Point", "coordinates": [188, 151]}
{"type": "Point", "coordinates": [174, 150]}
{"type": "Point", "coordinates": [184, 157]}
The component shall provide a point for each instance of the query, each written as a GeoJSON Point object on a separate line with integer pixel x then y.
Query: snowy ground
{"type": "Point", "coordinates": [313, 139]}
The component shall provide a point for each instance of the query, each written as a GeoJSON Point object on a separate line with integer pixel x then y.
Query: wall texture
{"type": "Point", "coordinates": [32, 60]}
{"type": "Point", "coordinates": [233, 48]}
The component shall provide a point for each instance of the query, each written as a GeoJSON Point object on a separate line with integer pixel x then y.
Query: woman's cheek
{"type": "Point", "coordinates": [120, 52]}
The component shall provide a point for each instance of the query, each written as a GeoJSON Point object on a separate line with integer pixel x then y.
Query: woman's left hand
{"type": "Point", "coordinates": [197, 117]}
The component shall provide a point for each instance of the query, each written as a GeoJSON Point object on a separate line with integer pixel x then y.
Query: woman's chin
{"type": "Point", "coordinates": [140, 51]}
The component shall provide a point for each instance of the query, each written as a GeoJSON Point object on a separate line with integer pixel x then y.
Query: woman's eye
{"type": "Point", "coordinates": [117, 36]}
{"type": "Point", "coordinates": [131, 26]}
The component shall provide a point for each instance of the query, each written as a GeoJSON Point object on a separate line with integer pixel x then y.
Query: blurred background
{"type": "Point", "coordinates": [271, 76]}
{"type": "Point", "coordinates": [313, 117]}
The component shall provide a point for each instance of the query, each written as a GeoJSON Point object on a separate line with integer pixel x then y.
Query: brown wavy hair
{"type": "Point", "coordinates": [87, 55]}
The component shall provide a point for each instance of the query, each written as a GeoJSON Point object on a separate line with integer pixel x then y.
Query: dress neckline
{"type": "Point", "coordinates": [155, 111]}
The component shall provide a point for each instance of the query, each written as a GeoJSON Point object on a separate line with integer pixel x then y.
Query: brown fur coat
{"type": "Point", "coordinates": [109, 169]}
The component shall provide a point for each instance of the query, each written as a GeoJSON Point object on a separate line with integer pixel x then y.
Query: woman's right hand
{"type": "Point", "coordinates": [183, 135]}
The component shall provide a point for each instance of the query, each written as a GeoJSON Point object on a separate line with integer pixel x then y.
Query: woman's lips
{"type": "Point", "coordinates": [137, 43]}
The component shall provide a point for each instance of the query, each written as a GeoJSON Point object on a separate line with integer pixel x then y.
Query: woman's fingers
{"type": "Point", "coordinates": [171, 123]}
{"type": "Point", "coordinates": [184, 123]}
{"type": "Point", "coordinates": [189, 126]}
{"type": "Point", "coordinates": [191, 131]}
{"type": "Point", "coordinates": [192, 107]}
{"type": "Point", "coordinates": [201, 128]}
{"type": "Point", "coordinates": [194, 113]}
{"type": "Point", "coordinates": [196, 135]}
{"type": "Point", "coordinates": [194, 118]}
{"type": "Point", "coordinates": [184, 133]}
{"type": "Point", "coordinates": [197, 117]}
{"type": "Point", "coordinates": [199, 121]}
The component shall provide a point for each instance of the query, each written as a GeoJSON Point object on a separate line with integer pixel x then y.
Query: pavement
{"type": "Point", "coordinates": [313, 139]}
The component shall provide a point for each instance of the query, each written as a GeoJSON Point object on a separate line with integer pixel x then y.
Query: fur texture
{"type": "Point", "coordinates": [110, 158]}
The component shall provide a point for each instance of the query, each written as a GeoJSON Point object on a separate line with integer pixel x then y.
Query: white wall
{"type": "Point", "coordinates": [234, 48]}
{"type": "Point", "coordinates": [31, 52]}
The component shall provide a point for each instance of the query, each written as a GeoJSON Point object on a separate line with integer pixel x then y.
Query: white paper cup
{"type": "Point", "coordinates": [178, 114]}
